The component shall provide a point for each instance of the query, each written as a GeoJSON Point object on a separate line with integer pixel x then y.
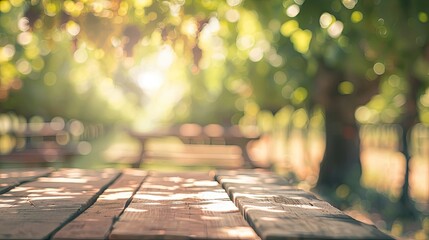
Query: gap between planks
{"type": "Point", "coordinates": [35, 210]}
{"type": "Point", "coordinates": [277, 210]}
{"type": "Point", "coordinates": [96, 222]}
{"type": "Point", "coordinates": [185, 205]}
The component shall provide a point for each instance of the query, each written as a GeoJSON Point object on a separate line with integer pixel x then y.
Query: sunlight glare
{"type": "Point", "coordinates": [211, 195]}
{"type": "Point", "coordinates": [166, 56]}
{"type": "Point", "coordinates": [173, 179]}
{"type": "Point", "coordinates": [116, 196]}
{"type": "Point", "coordinates": [63, 180]}
{"type": "Point", "coordinates": [6, 205]}
{"type": "Point", "coordinates": [269, 219]}
{"type": "Point", "coordinates": [130, 209]}
{"type": "Point", "coordinates": [205, 183]}
{"type": "Point", "coordinates": [242, 232]}
{"type": "Point", "coordinates": [150, 81]}
{"type": "Point", "coordinates": [223, 206]}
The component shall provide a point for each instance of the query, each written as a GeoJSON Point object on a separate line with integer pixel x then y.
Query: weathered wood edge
{"type": "Point", "coordinates": [270, 235]}
{"type": "Point", "coordinates": [18, 181]}
{"type": "Point", "coordinates": [128, 202]}
{"type": "Point", "coordinates": [126, 176]}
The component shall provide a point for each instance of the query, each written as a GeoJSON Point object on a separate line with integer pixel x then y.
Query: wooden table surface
{"type": "Point", "coordinates": [48, 203]}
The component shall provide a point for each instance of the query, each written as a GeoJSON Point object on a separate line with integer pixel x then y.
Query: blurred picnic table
{"type": "Point", "coordinates": [225, 145]}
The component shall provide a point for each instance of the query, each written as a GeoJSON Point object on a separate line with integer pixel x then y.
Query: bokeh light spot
{"type": "Point", "coordinates": [379, 68]}
{"type": "Point", "coordinates": [293, 10]}
{"type": "Point", "coordinates": [301, 40]}
{"type": "Point", "coordinates": [299, 95]}
{"type": "Point", "coordinates": [233, 3]}
{"type": "Point", "coordinates": [80, 56]}
{"type": "Point", "coordinates": [84, 147]}
{"type": "Point", "coordinates": [342, 191]}
{"type": "Point", "coordinates": [150, 81]}
{"type": "Point", "coordinates": [24, 38]}
{"type": "Point", "coordinates": [72, 28]}
{"type": "Point", "coordinates": [5, 6]}
{"type": "Point", "coordinates": [7, 52]}
{"type": "Point", "coordinates": [350, 4]}
{"type": "Point", "coordinates": [232, 15]}
{"type": "Point", "coordinates": [336, 29]}
{"type": "Point", "coordinates": [50, 79]}
{"type": "Point", "coordinates": [423, 17]}
{"type": "Point", "coordinates": [23, 24]}
{"type": "Point", "coordinates": [289, 27]}
{"type": "Point", "coordinates": [346, 87]}
{"type": "Point", "coordinates": [23, 66]}
{"type": "Point", "coordinates": [356, 16]}
{"type": "Point", "coordinates": [326, 20]}
{"type": "Point", "coordinates": [280, 77]}
{"type": "Point", "coordinates": [256, 54]}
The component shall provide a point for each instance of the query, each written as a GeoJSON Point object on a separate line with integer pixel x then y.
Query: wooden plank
{"type": "Point", "coordinates": [181, 206]}
{"type": "Point", "coordinates": [277, 210]}
{"type": "Point", "coordinates": [10, 178]}
{"type": "Point", "coordinates": [96, 221]}
{"type": "Point", "coordinates": [36, 209]}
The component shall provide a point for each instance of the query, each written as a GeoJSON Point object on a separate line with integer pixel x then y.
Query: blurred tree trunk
{"type": "Point", "coordinates": [341, 161]}
{"type": "Point", "coordinates": [408, 121]}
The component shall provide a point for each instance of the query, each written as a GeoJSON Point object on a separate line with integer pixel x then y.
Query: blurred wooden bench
{"type": "Point", "coordinates": [42, 145]}
{"type": "Point", "coordinates": [212, 142]}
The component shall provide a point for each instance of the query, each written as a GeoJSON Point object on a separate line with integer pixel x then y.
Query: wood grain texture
{"type": "Point", "coordinates": [185, 205]}
{"type": "Point", "coordinates": [96, 204]}
{"type": "Point", "coordinates": [97, 220]}
{"type": "Point", "coordinates": [35, 210]}
{"type": "Point", "coordinates": [277, 210]}
{"type": "Point", "coordinates": [10, 178]}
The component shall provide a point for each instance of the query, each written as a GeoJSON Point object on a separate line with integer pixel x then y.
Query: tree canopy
{"type": "Point", "coordinates": [209, 60]}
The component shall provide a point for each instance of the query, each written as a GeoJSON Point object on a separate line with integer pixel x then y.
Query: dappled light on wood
{"type": "Point", "coordinates": [218, 206]}
{"type": "Point", "coordinates": [203, 210]}
{"type": "Point", "coordinates": [192, 203]}
{"type": "Point", "coordinates": [121, 194]}
{"type": "Point", "coordinates": [296, 212]}
{"type": "Point", "coordinates": [51, 200]}
{"type": "Point", "coordinates": [64, 180]}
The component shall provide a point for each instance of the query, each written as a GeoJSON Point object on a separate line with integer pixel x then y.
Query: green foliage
{"type": "Point", "coordinates": [86, 59]}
